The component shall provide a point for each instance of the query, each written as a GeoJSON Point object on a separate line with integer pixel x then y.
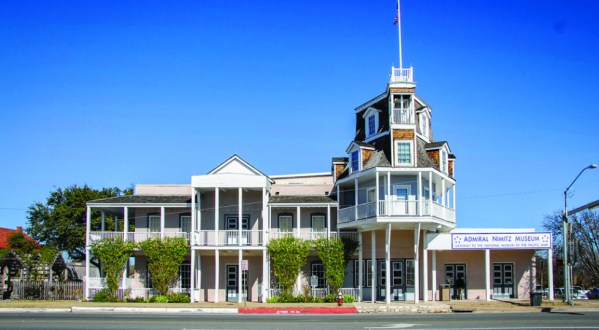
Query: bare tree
{"type": "Point", "coordinates": [585, 230]}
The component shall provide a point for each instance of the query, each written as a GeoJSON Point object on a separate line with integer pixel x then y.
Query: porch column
{"type": "Point", "coordinates": [103, 221]}
{"type": "Point", "coordinates": [550, 273]}
{"type": "Point", "coordinates": [194, 215]}
{"type": "Point", "coordinates": [434, 275]}
{"type": "Point", "coordinates": [264, 215]}
{"type": "Point", "coordinates": [240, 278]}
{"type": "Point", "coordinates": [216, 273]}
{"type": "Point", "coordinates": [239, 224]}
{"type": "Point", "coordinates": [388, 184]}
{"type": "Point", "coordinates": [193, 275]}
{"type": "Point", "coordinates": [299, 223]}
{"type": "Point", "coordinates": [264, 277]}
{"type": "Point", "coordinates": [116, 223]}
{"type": "Point", "coordinates": [376, 194]}
{"type": "Point", "coordinates": [373, 266]}
{"type": "Point", "coordinates": [198, 212]}
{"type": "Point", "coordinates": [419, 193]}
{"type": "Point", "coordinates": [356, 197]}
{"type": "Point", "coordinates": [88, 226]}
{"type": "Point", "coordinates": [453, 190]}
{"type": "Point", "coordinates": [199, 278]}
{"type": "Point", "coordinates": [329, 221]}
{"type": "Point", "coordinates": [125, 235]}
{"type": "Point", "coordinates": [416, 264]}
{"type": "Point", "coordinates": [388, 263]}
{"type": "Point", "coordinates": [443, 197]}
{"type": "Point", "coordinates": [162, 222]}
{"type": "Point", "coordinates": [425, 272]}
{"type": "Point", "coordinates": [216, 218]}
{"type": "Point", "coordinates": [360, 268]}
{"type": "Point", "coordinates": [488, 274]}
{"type": "Point", "coordinates": [269, 222]}
{"type": "Point", "coordinates": [430, 194]}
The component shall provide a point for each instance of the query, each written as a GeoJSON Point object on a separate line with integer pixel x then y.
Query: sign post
{"type": "Point", "coordinates": [314, 284]}
{"type": "Point", "coordinates": [244, 269]}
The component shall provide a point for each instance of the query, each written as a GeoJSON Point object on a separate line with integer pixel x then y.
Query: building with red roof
{"type": "Point", "coordinates": [5, 233]}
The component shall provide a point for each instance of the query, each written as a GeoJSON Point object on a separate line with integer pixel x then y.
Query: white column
{"type": "Point", "coordinates": [264, 214]}
{"type": "Point", "coordinates": [388, 263]}
{"type": "Point", "coordinates": [388, 184]}
{"type": "Point", "coordinates": [434, 275]}
{"type": "Point", "coordinates": [240, 278]}
{"type": "Point", "coordinates": [443, 197]}
{"type": "Point", "coordinates": [116, 223]}
{"type": "Point", "coordinates": [299, 223]}
{"type": "Point", "coordinates": [373, 266]}
{"type": "Point", "coordinates": [453, 189]}
{"type": "Point", "coordinates": [488, 274]}
{"type": "Point", "coordinates": [88, 226]}
{"type": "Point", "coordinates": [162, 222]}
{"type": "Point", "coordinates": [376, 194]}
{"type": "Point", "coordinates": [217, 274]}
{"type": "Point", "coordinates": [194, 216]}
{"type": "Point", "coordinates": [216, 218]}
{"type": "Point", "coordinates": [269, 219]}
{"type": "Point", "coordinates": [360, 268]}
{"type": "Point", "coordinates": [264, 277]}
{"type": "Point", "coordinates": [550, 273]}
{"type": "Point", "coordinates": [416, 264]}
{"type": "Point", "coordinates": [425, 272]}
{"type": "Point", "coordinates": [239, 215]}
{"type": "Point", "coordinates": [125, 231]}
{"type": "Point", "coordinates": [193, 275]}
{"type": "Point", "coordinates": [198, 220]}
{"type": "Point", "coordinates": [199, 278]}
{"type": "Point", "coordinates": [419, 193]}
{"type": "Point", "coordinates": [329, 221]}
{"type": "Point", "coordinates": [356, 197]}
{"type": "Point", "coordinates": [103, 221]}
{"type": "Point", "coordinates": [430, 194]}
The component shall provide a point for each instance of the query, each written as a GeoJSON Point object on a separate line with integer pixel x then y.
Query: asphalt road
{"type": "Point", "coordinates": [475, 321]}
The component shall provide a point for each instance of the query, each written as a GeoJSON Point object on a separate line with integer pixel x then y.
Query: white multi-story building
{"type": "Point", "coordinates": [395, 193]}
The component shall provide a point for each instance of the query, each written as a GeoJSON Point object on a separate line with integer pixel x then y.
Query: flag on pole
{"type": "Point", "coordinates": [396, 17]}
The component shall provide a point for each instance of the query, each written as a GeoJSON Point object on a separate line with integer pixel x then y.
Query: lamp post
{"type": "Point", "coordinates": [567, 279]}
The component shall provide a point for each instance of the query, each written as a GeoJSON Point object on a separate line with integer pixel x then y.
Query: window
{"type": "Point", "coordinates": [403, 150]}
{"type": "Point", "coordinates": [366, 273]}
{"type": "Point", "coordinates": [154, 223]}
{"type": "Point", "coordinates": [354, 161]}
{"type": "Point", "coordinates": [410, 272]}
{"type": "Point", "coordinates": [185, 224]}
{"type": "Point", "coordinates": [231, 223]}
{"type": "Point", "coordinates": [424, 124]}
{"type": "Point", "coordinates": [318, 271]}
{"type": "Point", "coordinates": [285, 224]}
{"type": "Point", "coordinates": [444, 161]}
{"type": "Point", "coordinates": [370, 195]}
{"type": "Point", "coordinates": [185, 275]}
{"type": "Point", "coordinates": [318, 223]}
{"type": "Point", "coordinates": [397, 270]}
{"type": "Point", "coordinates": [371, 125]}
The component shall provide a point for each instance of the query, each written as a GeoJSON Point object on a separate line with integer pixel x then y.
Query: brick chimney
{"type": "Point", "coordinates": [20, 229]}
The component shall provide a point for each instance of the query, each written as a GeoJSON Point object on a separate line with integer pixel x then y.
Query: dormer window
{"type": "Point", "coordinates": [444, 161]}
{"type": "Point", "coordinates": [371, 123]}
{"type": "Point", "coordinates": [355, 161]}
{"type": "Point", "coordinates": [424, 124]}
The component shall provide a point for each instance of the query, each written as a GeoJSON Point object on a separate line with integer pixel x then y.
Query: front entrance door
{"type": "Point", "coordinates": [503, 280]}
{"type": "Point", "coordinates": [232, 287]}
{"type": "Point", "coordinates": [455, 274]}
{"type": "Point", "coordinates": [398, 286]}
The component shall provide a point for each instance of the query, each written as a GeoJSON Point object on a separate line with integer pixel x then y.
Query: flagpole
{"type": "Point", "coordinates": [399, 29]}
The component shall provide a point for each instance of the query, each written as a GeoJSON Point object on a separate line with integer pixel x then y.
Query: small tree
{"type": "Point", "coordinates": [113, 253]}
{"type": "Point", "coordinates": [330, 251]}
{"type": "Point", "coordinates": [289, 255]}
{"type": "Point", "coordinates": [165, 255]}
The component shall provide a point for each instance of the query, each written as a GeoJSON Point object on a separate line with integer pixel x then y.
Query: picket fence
{"type": "Point", "coordinates": [48, 291]}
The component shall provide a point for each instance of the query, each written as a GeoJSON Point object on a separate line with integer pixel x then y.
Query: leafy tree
{"type": "Point", "coordinates": [330, 251]}
{"type": "Point", "coordinates": [18, 241]}
{"type": "Point", "coordinates": [350, 247]}
{"type": "Point", "coordinates": [113, 253]}
{"type": "Point", "coordinates": [585, 230]}
{"type": "Point", "coordinates": [61, 221]}
{"type": "Point", "coordinates": [165, 255]}
{"type": "Point", "coordinates": [289, 255]}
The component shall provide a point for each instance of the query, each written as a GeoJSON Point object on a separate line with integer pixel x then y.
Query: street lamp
{"type": "Point", "coordinates": [567, 279]}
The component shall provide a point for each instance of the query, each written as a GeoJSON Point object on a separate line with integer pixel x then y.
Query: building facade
{"type": "Point", "coordinates": [394, 192]}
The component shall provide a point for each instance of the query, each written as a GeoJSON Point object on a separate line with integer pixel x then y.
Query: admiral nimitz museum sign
{"type": "Point", "coordinates": [531, 240]}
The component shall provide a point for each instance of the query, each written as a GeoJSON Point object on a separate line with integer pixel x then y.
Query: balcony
{"type": "Point", "coordinates": [391, 208]}
{"type": "Point", "coordinates": [402, 75]}
{"type": "Point", "coordinates": [403, 116]}
{"type": "Point", "coordinates": [136, 237]}
{"type": "Point", "coordinates": [228, 238]}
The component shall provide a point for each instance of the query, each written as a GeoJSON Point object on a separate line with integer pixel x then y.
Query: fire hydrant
{"type": "Point", "coordinates": [340, 299]}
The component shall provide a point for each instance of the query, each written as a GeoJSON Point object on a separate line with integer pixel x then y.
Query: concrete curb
{"type": "Point", "coordinates": [35, 310]}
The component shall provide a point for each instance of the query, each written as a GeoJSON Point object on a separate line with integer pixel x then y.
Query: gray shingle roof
{"type": "Point", "coordinates": [424, 160]}
{"type": "Point", "coordinates": [378, 159]}
{"type": "Point", "coordinates": [299, 199]}
{"type": "Point", "coordinates": [452, 156]}
{"type": "Point", "coordinates": [141, 199]}
{"type": "Point", "coordinates": [340, 159]}
{"type": "Point", "coordinates": [435, 145]}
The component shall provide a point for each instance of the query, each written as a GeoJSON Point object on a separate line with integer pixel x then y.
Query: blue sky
{"type": "Point", "coordinates": [112, 93]}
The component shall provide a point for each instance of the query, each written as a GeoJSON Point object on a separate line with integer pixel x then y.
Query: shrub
{"type": "Point", "coordinates": [288, 255]}
{"type": "Point", "coordinates": [330, 298]}
{"type": "Point", "coordinates": [102, 296]}
{"type": "Point", "coordinates": [347, 299]}
{"type": "Point", "coordinates": [178, 298]}
{"type": "Point", "coordinates": [159, 299]}
{"type": "Point", "coordinates": [165, 256]}
{"type": "Point", "coordinates": [113, 253]}
{"type": "Point", "coordinates": [136, 300]}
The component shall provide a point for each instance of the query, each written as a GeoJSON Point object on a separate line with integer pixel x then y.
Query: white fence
{"type": "Point", "coordinates": [401, 75]}
{"type": "Point", "coordinates": [138, 236]}
{"type": "Point", "coordinates": [402, 116]}
{"type": "Point", "coordinates": [98, 235]}
{"type": "Point", "coordinates": [347, 214]}
{"type": "Point", "coordinates": [100, 283]}
{"type": "Point", "coordinates": [228, 238]}
{"type": "Point", "coordinates": [48, 291]}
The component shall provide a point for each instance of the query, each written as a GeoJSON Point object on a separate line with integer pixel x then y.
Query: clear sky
{"type": "Point", "coordinates": [116, 93]}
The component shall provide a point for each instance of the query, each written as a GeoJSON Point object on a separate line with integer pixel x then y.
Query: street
{"type": "Point", "coordinates": [562, 320]}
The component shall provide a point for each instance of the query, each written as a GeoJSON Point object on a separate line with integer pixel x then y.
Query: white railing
{"type": "Point", "coordinates": [366, 210]}
{"type": "Point", "coordinates": [438, 210]}
{"type": "Point", "coordinates": [402, 116]}
{"type": "Point", "coordinates": [96, 282]}
{"type": "Point", "coordinates": [141, 236]}
{"type": "Point", "coordinates": [398, 208]}
{"type": "Point", "coordinates": [426, 211]}
{"type": "Point", "coordinates": [307, 236]}
{"type": "Point", "coordinates": [347, 214]}
{"type": "Point", "coordinates": [228, 238]}
{"type": "Point", "coordinates": [402, 75]}
{"type": "Point", "coordinates": [449, 214]}
{"type": "Point", "coordinates": [354, 292]}
{"type": "Point", "coordinates": [350, 234]}
{"type": "Point", "coordinates": [98, 235]}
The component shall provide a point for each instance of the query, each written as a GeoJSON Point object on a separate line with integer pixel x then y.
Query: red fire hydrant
{"type": "Point", "coordinates": [340, 299]}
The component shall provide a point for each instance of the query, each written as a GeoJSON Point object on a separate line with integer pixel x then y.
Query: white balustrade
{"type": "Point", "coordinates": [347, 214]}
{"type": "Point", "coordinates": [366, 210]}
{"type": "Point", "coordinates": [98, 235]}
{"type": "Point", "coordinates": [354, 292]}
{"type": "Point", "coordinates": [401, 75]}
{"type": "Point", "coordinates": [307, 236]}
{"type": "Point", "coordinates": [438, 210]}
{"type": "Point", "coordinates": [228, 238]}
{"type": "Point", "coordinates": [354, 235]}
{"type": "Point", "coordinates": [450, 214]}
{"type": "Point", "coordinates": [398, 208]}
{"type": "Point", "coordinates": [403, 116]}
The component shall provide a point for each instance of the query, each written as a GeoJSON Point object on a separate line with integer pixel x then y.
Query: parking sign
{"type": "Point", "coordinates": [244, 265]}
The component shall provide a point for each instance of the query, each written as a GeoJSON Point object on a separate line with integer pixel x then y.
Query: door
{"type": "Point", "coordinates": [232, 287]}
{"type": "Point", "coordinates": [503, 280]}
{"type": "Point", "coordinates": [454, 274]}
{"type": "Point", "coordinates": [285, 226]}
{"type": "Point", "coordinates": [397, 278]}
{"type": "Point", "coordinates": [382, 280]}
{"type": "Point", "coordinates": [232, 225]}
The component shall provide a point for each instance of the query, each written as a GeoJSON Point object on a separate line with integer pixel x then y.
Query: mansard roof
{"type": "Point", "coordinates": [359, 144]}
{"type": "Point", "coordinates": [436, 145]}
{"type": "Point", "coordinates": [340, 160]}
{"type": "Point", "coordinates": [378, 159]}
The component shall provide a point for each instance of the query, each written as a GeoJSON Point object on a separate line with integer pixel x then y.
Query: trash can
{"type": "Point", "coordinates": [444, 292]}
{"type": "Point", "coordinates": [536, 298]}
